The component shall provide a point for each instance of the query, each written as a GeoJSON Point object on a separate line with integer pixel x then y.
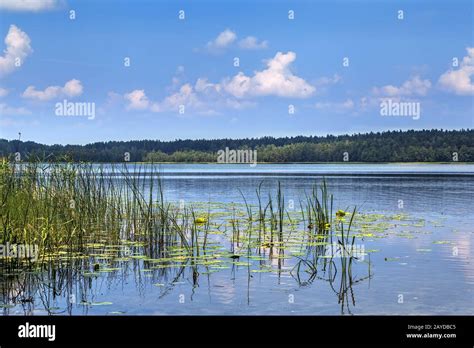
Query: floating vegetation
{"type": "Point", "coordinates": [96, 303]}
{"type": "Point", "coordinates": [442, 242]}
{"type": "Point", "coordinates": [392, 258]}
{"type": "Point", "coordinates": [90, 274]}
{"type": "Point", "coordinates": [109, 269]}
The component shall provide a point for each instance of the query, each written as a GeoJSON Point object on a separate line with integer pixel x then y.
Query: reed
{"type": "Point", "coordinates": [69, 206]}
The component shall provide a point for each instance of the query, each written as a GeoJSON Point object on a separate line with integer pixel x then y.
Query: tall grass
{"type": "Point", "coordinates": [70, 206]}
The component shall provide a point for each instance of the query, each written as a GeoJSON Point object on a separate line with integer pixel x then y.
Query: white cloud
{"type": "Point", "coordinates": [137, 100]}
{"type": "Point", "coordinates": [3, 92]}
{"type": "Point", "coordinates": [185, 96]}
{"type": "Point", "coordinates": [18, 47]}
{"type": "Point", "coordinates": [459, 81]}
{"type": "Point", "coordinates": [204, 96]}
{"type": "Point", "coordinates": [410, 90]}
{"type": "Point", "coordinates": [29, 5]}
{"type": "Point", "coordinates": [10, 111]}
{"type": "Point", "coordinates": [252, 43]}
{"type": "Point", "coordinates": [72, 88]}
{"type": "Point", "coordinates": [222, 40]}
{"type": "Point", "coordinates": [201, 98]}
{"type": "Point", "coordinates": [229, 37]}
{"type": "Point", "coordinates": [412, 87]}
{"type": "Point", "coordinates": [276, 80]}
{"type": "Point", "coordinates": [204, 86]}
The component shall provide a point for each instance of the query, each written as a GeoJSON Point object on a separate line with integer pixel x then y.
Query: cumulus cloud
{"type": "Point", "coordinates": [29, 5]}
{"type": "Point", "coordinates": [252, 43]}
{"type": "Point", "coordinates": [18, 47]}
{"type": "Point", "coordinates": [180, 94]}
{"type": "Point", "coordinates": [205, 87]}
{"type": "Point", "coordinates": [137, 100]}
{"type": "Point", "coordinates": [6, 110]}
{"type": "Point", "coordinates": [412, 87]}
{"type": "Point", "coordinates": [459, 81]}
{"type": "Point", "coordinates": [229, 37]}
{"type": "Point", "coordinates": [410, 90]}
{"type": "Point", "coordinates": [186, 96]}
{"type": "Point", "coordinates": [222, 40]}
{"type": "Point", "coordinates": [277, 79]}
{"type": "Point", "coordinates": [3, 92]}
{"type": "Point", "coordinates": [232, 92]}
{"type": "Point", "coordinates": [203, 98]}
{"type": "Point", "coordinates": [72, 88]}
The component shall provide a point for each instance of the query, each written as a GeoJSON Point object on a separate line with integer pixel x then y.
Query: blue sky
{"type": "Point", "coordinates": [182, 82]}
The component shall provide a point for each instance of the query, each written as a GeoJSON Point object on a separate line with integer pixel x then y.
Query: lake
{"type": "Point", "coordinates": [415, 227]}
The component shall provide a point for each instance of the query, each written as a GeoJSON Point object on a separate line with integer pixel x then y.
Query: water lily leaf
{"type": "Point", "coordinates": [110, 269]}
{"type": "Point", "coordinates": [84, 303]}
{"type": "Point", "coordinates": [90, 274]}
{"type": "Point", "coordinates": [242, 263]}
{"type": "Point", "coordinates": [105, 303]}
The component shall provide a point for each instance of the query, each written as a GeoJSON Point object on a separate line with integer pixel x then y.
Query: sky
{"type": "Point", "coordinates": [76, 72]}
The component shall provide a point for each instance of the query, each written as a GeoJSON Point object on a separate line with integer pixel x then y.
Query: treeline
{"type": "Point", "coordinates": [390, 146]}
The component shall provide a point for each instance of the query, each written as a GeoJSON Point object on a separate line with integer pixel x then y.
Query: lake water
{"type": "Point", "coordinates": [421, 263]}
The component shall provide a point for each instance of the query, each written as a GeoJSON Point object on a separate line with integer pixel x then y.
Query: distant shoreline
{"type": "Point", "coordinates": [420, 146]}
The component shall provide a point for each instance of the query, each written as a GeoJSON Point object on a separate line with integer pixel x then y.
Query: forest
{"type": "Point", "coordinates": [390, 146]}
